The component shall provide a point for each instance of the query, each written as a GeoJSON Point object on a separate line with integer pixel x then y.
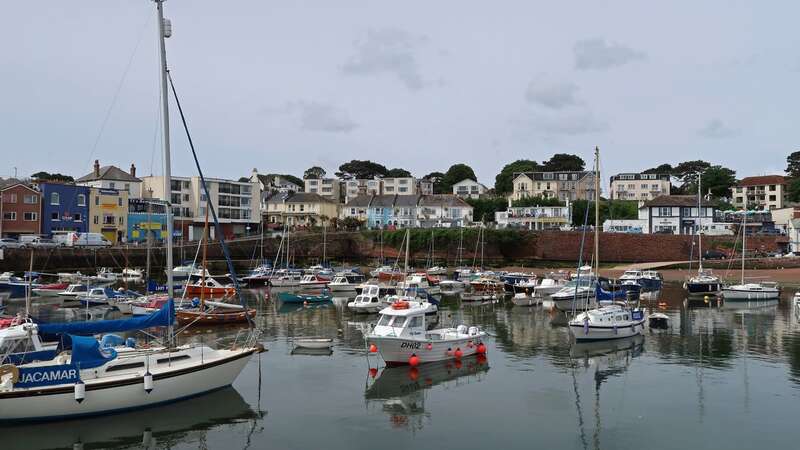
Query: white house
{"type": "Point", "coordinates": [534, 217]}
{"type": "Point", "coordinates": [112, 177]}
{"type": "Point", "coordinates": [468, 188]}
{"type": "Point", "coordinates": [677, 214]}
{"type": "Point", "coordinates": [443, 211]}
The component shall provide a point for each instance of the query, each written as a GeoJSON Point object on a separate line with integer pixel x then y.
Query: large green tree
{"type": "Point", "coordinates": [793, 190]}
{"type": "Point", "coordinates": [52, 177]}
{"type": "Point", "coordinates": [718, 180]}
{"type": "Point", "coordinates": [793, 164]}
{"type": "Point", "coordinates": [294, 180]}
{"type": "Point", "coordinates": [663, 168]}
{"type": "Point", "coordinates": [564, 162]}
{"type": "Point", "coordinates": [397, 173]}
{"type": "Point", "coordinates": [361, 169]}
{"type": "Point", "coordinates": [687, 171]}
{"type": "Point", "coordinates": [456, 173]}
{"type": "Point", "coordinates": [504, 181]}
{"type": "Point", "coordinates": [609, 209]}
{"type": "Point", "coordinates": [483, 209]}
{"type": "Point", "coordinates": [436, 179]}
{"type": "Point", "coordinates": [314, 173]}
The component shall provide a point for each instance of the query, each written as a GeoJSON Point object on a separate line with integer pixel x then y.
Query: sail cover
{"type": "Point", "coordinates": [161, 318]}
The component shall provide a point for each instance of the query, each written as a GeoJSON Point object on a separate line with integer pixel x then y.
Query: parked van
{"type": "Point", "coordinates": [87, 240]}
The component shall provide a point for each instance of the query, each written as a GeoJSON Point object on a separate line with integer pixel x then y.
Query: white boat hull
{"type": "Point", "coordinates": [600, 333]}
{"type": "Point", "coordinates": [125, 393]}
{"type": "Point", "coordinates": [395, 351]}
{"type": "Point", "coordinates": [342, 287]}
{"type": "Point", "coordinates": [744, 295]}
{"type": "Point", "coordinates": [565, 304]}
{"type": "Point", "coordinates": [361, 308]}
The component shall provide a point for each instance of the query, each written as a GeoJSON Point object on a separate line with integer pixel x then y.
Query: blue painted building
{"type": "Point", "coordinates": [143, 220]}
{"type": "Point", "coordinates": [380, 213]}
{"type": "Point", "coordinates": [65, 207]}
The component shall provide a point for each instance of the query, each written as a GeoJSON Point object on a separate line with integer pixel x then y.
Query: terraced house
{"type": "Point", "coordinates": [299, 209]}
{"type": "Point", "coordinates": [65, 207]}
{"type": "Point", "coordinates": [19, 210]}
{"type": "Point", "coordinates": [565, 186]}
{"type": "Point", "coordinates": [108, 209]}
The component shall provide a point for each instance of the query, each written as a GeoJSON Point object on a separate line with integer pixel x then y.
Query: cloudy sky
{"type": "Point", "coordinates": [282, 86]}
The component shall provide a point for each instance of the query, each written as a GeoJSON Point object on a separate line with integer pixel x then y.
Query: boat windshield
{"type": "Point", "coordinates": [584, 282]}
{"type": "Point", "coordinates": [384, 320]}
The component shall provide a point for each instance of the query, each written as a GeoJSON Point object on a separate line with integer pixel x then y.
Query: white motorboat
{"type": "Point", "coordinates": [766, 290]}
{"type": "Point", "coordinates": [314, 343]}
{"type": "Point", "coordinates": [400, 337]}
{"type": "Point", "coordinates": [368, 301]}
{"type": "Point", "coordinates": [183, 272]}
{"type": "Point", "coordinates": [578, 292]}
{"type": "Point", "coordinates": [607, 322]}
{"type": "Point", "coordinates": [345, 282]}
{"type": "Point", "coordinates": [420, 281]}
{"type": "Point", "coordinates": [74, 290]}
{"type": "Point", "coordinates": [20, 343]}
{"type": "Point", "coordinates": [451, 286]}
{"type": "Point", "coordinates": [523, 299]}
{"type": "Point", "coordinates": [415, 296]}
{"type": "Point", "coordinates": [285, 278]}
{"type": "Point", "coordinates": [549, 286]}
{"type": "Point", "coordinates": [437, 270]}
{"type": "Point", "coordinates": [312, 282]}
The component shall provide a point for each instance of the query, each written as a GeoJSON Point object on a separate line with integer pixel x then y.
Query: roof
{"type": "Point", "coordinates": [448, 200]}
{"type": "Point", "coordinates": [407, 200]}
{"type": "Point", "coordinates": [467, 180]}
{"type": "Point", "coordinates": [306, 197]}
{"type": "Point", "coordinates": [539, 176]}
{"type": "Point", "coordinates": [385, 201]}
{"type": "Point", "coordinates": [676, 200]}
{"type": "Point", "coordinates": [15, 184]}
{"type": "Point", "coordinates": [8, 182]}
{"type": "Point", "coordinates": [628, 176]}
{"type": "Point", "coordinates": [112, 173]}
{"type": "Point", "coordinates": [762, 180]}
{"type": "Point", "coordinates": [361, 200]}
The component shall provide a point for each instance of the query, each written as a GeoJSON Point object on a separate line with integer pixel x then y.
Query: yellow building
{"type": "Point", "coordinates": [108, 209]}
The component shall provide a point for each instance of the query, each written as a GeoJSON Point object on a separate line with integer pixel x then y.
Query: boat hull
{"type": "Point", "coordinates": [702, 289]}
{"type": "Point", "coordinates": [397, 351]}
{"type": "Point", "coordinates": [123, 394]}
{"type": "Point", "coordinates": [604, 333]}
{"type": "Point", "coordinates": [741, 295]}
{"type": "Point", "coordinates": [185, 317]}
{"type": "Point", "coordinates": [565, 303]}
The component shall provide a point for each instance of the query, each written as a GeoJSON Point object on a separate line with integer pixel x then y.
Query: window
{"type": "Point", "coordinates": [10, 198]}
{"type": "Point", "coordinates": [96, 200]}
{"type": "Point", "coordinates": [771, 187]}
{"type": "Point", "coordinates": [664, 212]}
{"type": "Point", "coordinates": [76, 217]}
{"type": "Point", "coordinates": [772, 198]}
{"type": "Point", "coordinates": [384, 320]}
{"type": "Point", "coordinates": [81, 200]}
{"type": "Point", "coordinates": [54, 216]}
{"type": "Point", "coordinates": [55, 199]}
{"type": "Point", "coordinates": [119, 201]}
{"type": "Point", "coordinates": [30, 216]}
{"type": "Point", "coordinates": [399, 321]}
{"type": "Point", "coordinates": [128, 187]}
{"type": "Point", "coordinates": [416, 322]}
{"type": "Point", "coordinates": [186, 197]}
{"type": "Point", "coordinates": [96, 220]}
{"type": "Point", "coordinates": [31, 199]}
{"type": "Point", "coordinates": [10, 215]}
{"type": "Point", "coordinates": [687, 212]}
{"type": "Point", "coordinates": [121, 220]}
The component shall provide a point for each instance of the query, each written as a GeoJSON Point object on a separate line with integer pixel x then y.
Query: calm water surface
{"type": "Point", "coordinates": [724, 376]}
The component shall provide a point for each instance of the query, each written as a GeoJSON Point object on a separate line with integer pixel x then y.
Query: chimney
{"type": "Point", "coordinates": [96, 167]}
{"type": "Point", "coordinates": [133, 170]}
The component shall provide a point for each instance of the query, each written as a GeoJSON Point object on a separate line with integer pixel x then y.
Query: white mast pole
{"type": "Point", "coordinates": [699, 222]}
{"type": "Point", "coordinates": [597, 211]}
{"type": "Point", "coordinates": [162, 35]}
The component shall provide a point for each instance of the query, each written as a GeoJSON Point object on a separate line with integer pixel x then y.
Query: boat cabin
{"type": "Point", "coordinates": [401, 319]}
{"type": "Point", "coordinates": [20, 344]}
{"type": "Point", "coordinates": [370, 294]}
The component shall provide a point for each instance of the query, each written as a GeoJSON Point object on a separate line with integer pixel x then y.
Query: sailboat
{"type": "Point", "coordinates": [614, 320]}
{"type": "Point", "coordinates": [765, 290]}
{"type": "Point", "coordinates": [705, 282]}
{"type": "Point", "coordinates": [117, 374]}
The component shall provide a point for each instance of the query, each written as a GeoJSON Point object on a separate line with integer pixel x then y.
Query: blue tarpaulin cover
{"type": "Point", "coordinates": [86, 352]}
{"type": "Point", "coordinates": [603, 294]}
{"type": "Point", "coordinates": [161, 318]}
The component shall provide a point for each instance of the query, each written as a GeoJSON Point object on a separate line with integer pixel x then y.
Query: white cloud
{"type": "Point", "coordinates": [598, 54]}
{"type": "Point", "coordinates": [316, 116]}
{"type": "Point", "coordinates": [388, 51]}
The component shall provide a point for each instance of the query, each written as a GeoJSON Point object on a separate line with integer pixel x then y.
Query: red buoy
{"type": "Point", "coordinates": [413, 361]}
{"type": "Point", "coordinates": [481, 359]}
{"type": "Point", "coordinates": [481, 349]}
{"type": "Point", "coordinates": [458, 353]}
{"type": "Point", "coordinates": [373, 372]}
{"type": "Point", "coordinates": [430, 346]}
{"type": "Point", "coordinates": [458, 364]}
{"type": "Point", "coordinates": [413, 374]}
{"type": "Point", "coordinates": [373, 348]}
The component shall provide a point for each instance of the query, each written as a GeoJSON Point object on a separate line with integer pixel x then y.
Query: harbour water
{"type": "Point", "coordinates": [723, 376]}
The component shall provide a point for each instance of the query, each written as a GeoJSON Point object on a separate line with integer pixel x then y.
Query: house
{"type": "Point", "coordinates": [762, 192]}
{"type": "Point", "coordinates": [625, 226]}
{"type": "Point", "coordinates": [108, 209]}
{"type": "Point", "coordinates": [781, 217]}
{"type": "Point", "coordinates": [300, 209]}
{"type": "Point", "coordinates": [443, 210]}
{"type": "Point", "coordinates": [356, 208]}
{"type": "Point", "coordinates": [65, 207]}
{"type": "Point", "coordinates": [639, 186]}
{"type": "Point", "coordinates": [535, 217]}
{"type": "Point", "coordinates": [274, 183]}
{"type": "Point", "coordinates": [565, 186]}
{"type": "Point", "coordinates": [380, 213]}
{"type": "Point", "coordinates": [19, 210]}
{"type": "Point", "coordinates": [147, 217]}
{"type": "Point", "coordinates": [405, 211]}
{"type": "Point", "coordinates": [237, 204]}
{"type": "Point", "coordinates": [355, 187]}
{"type": "Point", "coordinates": [677, 214]}
{"type": "Point", "coordinates": [112, 177]}
{"type": "Point", "coordinates": [424, 187]}
{"type": "Point", "coordinates": [330, 188]}
{"type": "Point", "coordinates": [399, 186]}
{"type": "Point", "coordinates": [468, 188]}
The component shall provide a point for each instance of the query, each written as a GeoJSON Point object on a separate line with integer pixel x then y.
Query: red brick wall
{"type": "Point", "coordinates": [20, 225]}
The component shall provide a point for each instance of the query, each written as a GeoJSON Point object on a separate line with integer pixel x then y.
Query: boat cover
{"type": "Point", "coordinates": [164, 317]}
{"type": "Point", "coordinates": [603, 294]}
{"type": "Point", "coordinates": [87, 354]}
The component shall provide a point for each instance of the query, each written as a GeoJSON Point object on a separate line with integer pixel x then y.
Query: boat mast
{"type": "Point", "coordinates": [699, 223]}
{"type": "Point", "coordinates": [204, 269]}
{"type": "Point", "coordinates": [29, 288]}
{"type": "Point", "coordinates": [149, 235]}
{"type": "Point", "coordinates": [324, 245]}
{"type": "Point", "coordinates": [744, 237]}
{"type": "Point", "coordinates": [597, 211]}
{"type": "Point", "coordinates": [408, 244]}
{"type": "Point", "coordinates": [165, 31]}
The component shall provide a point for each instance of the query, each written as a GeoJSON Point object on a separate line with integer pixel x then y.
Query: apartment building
{"type": "Point", "coordinates": [763, 192]}
{"type": "Point", "coordinates": [330, 188]}
{"type": "Point", "coordinates": [565, 186]}
{"type": "Point", "coordinates": [468, 188]}
{"type": "Point", "coordinates": [535, 217]}
{"type": "Point", "coordinates": [355, 187]}
{"type": "Point", "coordinates": [108, 209]}
{"type": "Point", "coordinates": [639, 186]}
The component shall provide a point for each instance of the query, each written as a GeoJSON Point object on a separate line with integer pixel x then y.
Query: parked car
{"type": "Point", "coordinates": [9, 243]}
{"type": "Point", "coordinates": [87, 240]}
{"type": "Point", "coordinates": [41, 242]}
{"type": "Point", "coordinates": [714, 254]}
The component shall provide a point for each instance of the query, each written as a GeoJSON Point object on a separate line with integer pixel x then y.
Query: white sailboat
{"type": "Point", "coordinates": [765, 290]}
{"type": "Point", "coordinates": [705, 282]}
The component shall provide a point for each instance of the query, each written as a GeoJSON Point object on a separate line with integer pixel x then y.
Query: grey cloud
{"type": "Point", "coordinates": [716, 129]}
{"type": "Point", "coordinates": [553, 125]}
{"type": "Point", "coordinates": [552, 94]}
{"type": "Point", "coordinates": [388, 51]}
{"type": "Point", "coordinates": [316, 116]}
{"type": "Point", "coordinates": [599, 54]}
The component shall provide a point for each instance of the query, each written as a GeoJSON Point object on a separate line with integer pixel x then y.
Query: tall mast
{"type": "Point", "coordinates": [699, 222]}
{"type": "Point", "coordinates": [597, 211]}
{"type": "Point", "coordinates": [204, 268]}
{"type": "Point", "coordinates": [165, 31]}
{"type": "Point", "coordinates": [408, 244]}
{"type": "Point", "coordinates": [148, 236]}
{"type": "Point", "coordinates": [744, 237]}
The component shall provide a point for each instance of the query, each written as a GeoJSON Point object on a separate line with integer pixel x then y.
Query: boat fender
{"type": "Point", "coordinates": [615, 328]}
{"type": "Point", "coordinates": [373, 348]}
{"type": "Point", "coordinates": [148, 382]}
{"type": "Point", "coordinates": [458, 353]}
{"type": "Point", "coordinates": [481, 349]}
{"type": "Point", "coordinates": [449, 351]}
{"type": "Point", "coordinates": [413, 361]}
{"type": "Point", "coordinates": [80, 391]}
{"type": "Point", "coordinates": [429, 346]}
{"type": "Point", "coordinates": [11, 369]}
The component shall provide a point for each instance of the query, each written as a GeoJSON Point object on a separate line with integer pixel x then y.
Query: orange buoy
{"type": "Point", "coordinates": [413, 374]}
{"type": "Point", "coordinates": [458, 364]}
{"type": "Point", "coordinates": [458, 353]}
{"type": "Point", "coordinates": [481, 349]}
{"type": "Point", "coordinates": [481, 359]}
{"type": "Point", "coordinates": [413, 361]}
{"type": "Point", "coordinates": [373, 348]}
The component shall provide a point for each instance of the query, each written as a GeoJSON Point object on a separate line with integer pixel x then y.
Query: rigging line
{"type": "Point", "coordinates": [210, 205]}
{"type": "Point", "coordinates": [157, 136]}
{"type": "Point", "coordinates": [119, 87]}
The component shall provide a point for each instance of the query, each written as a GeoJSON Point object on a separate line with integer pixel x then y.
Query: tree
{"type": "Point", "coordinates": [44, 176]}
{"type": "Point", "coordinates": [609, 209]}
{"type": "Point", "coordinates": [687, 171]}
{"type": "Point", "coordinates": [314, 173]}
{"type": "Point", "coordinates": [718, 180]}
{"type": "Point", "coordinates": [436, 179]}
{"type": "Point", "coordinates": [397, 173]}
{"type": "Point", "coordinates": [564, 162]}
{"type": "Point", "coordinates": [456, 173]}
{"type": "Point", "coordinates": [793, 189]}
{"type": "Point", "coordinates": [793, 164]}
{"type": "Point", "coordinates": [503, 182]}
{"type": "Point", "coordinates": [663, 168]}
{"type": "Point", "coordinates": [294, 180]}
{"type": "Point", "coordinates": [351, 223]}
{"type": "Point", "coordinates": [483, 209]}
{"type": "Point", "coordinates": [360, 170]}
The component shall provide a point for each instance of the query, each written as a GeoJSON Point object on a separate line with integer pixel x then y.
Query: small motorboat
{"type": "Point", "coordinates": [437, 270]}
{"type": "Point", "coordinates": [105, 296]}
{"type": "Point", "coordinates": [451, 286]}
{"type": "Point", "coordinates": [209, 286]}
{"type": "Point", "coordinates": [607, 322]}
{"type": "Point", "coordinates": [289, 297]}
{"type": "Point", "coordinates": [50, 290]}
{"type": "Point", "coordinates": [346, 282]}
{"type": "Point", "coordinates": [523, 299]}
{"type": "Point", "coordinates": [74, 290]}
{"type": "Point", "coordinates": [658, 320]}
{"type": "Point", "coordinates": [213, 315]}
{"type": "Point", "coordinates": [368, 301]}
{"type": "Point", "coordinates": [313, 343]}
{"type": "Point", "coordinates": [313, 282]}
